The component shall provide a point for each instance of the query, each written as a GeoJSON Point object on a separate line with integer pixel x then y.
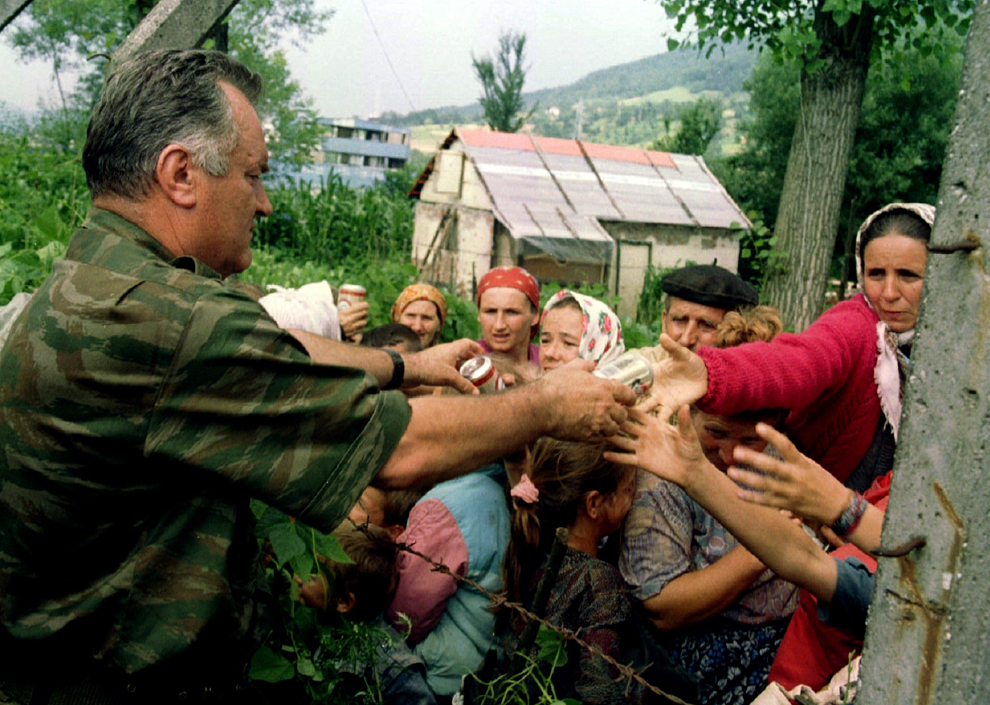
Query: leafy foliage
{"type": "Point", "coordinates": [700, 123]}
{"type": "Point", "coordinates": [533, 682]}
{"type": "Point", "coordinates": [502, 79]}
{"type": "Point", "coordinates": [307, 657]}
{"type": "Point", "coordinates": [64, 32]}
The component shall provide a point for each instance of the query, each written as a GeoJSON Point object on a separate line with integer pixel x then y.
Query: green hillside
{"type": "Point", "coordinates": [629, 104]}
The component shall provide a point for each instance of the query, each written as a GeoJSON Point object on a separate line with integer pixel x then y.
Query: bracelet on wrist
{"type": "Point", "coordinates": [851, 516]}
{"type": "Point", "coordinates": [398, 370]}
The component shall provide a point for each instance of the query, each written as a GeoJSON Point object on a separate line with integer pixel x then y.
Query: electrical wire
{"type": "Point", "coordinates": [387, 58]}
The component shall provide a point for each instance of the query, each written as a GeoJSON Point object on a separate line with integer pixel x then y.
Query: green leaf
{"type": "Point", "coordinates": [305, 667]}
{"type": "Point", "coordinates": [327, 545]}
{"type": "Point", "coordinates": [268, 666]}
{"type": "Point", "coordinates": [552, 649]}
{"type": "Point", "coordinates": [286, 543]}
{"type": "Point", "coordinates": [672, 44]}
{"type": "Point", "coordinates": [304, 564]}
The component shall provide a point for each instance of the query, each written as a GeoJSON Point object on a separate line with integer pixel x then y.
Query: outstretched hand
{"type": "Point", "coordinates": [679, 378]}
{"type": "Point", "coordinates": [582, 406]}
{"type": "Point", "coordinates": [796, 483]}
{"type": "Point", "coordinates": [654, 444]}
{"type": "Point", "coordinates": [438, 366]}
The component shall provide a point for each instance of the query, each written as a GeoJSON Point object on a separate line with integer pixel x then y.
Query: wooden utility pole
{"type": "Point", "coordinates": [929, 629]}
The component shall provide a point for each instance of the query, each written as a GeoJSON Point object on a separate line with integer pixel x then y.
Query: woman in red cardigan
{"type": "Point", "coordinates": [841, 379]}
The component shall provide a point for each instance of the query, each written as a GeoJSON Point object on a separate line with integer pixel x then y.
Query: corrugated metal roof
{"type": "Point", "coordinates": [551, 193]}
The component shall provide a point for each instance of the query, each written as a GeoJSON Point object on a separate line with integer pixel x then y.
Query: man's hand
{"type": "Point", "coordinates": [796, 483]}
{"type": "Point", "coordinates": [679, 378]}
{"type": "Point", "coordinates": [654, 444]}
{"type": "Point", "coordinates": [353, 320]}
{"type": "Point", "coordinates": [581, 406]}
{"type": "Point", "coordinates": [437, 366]}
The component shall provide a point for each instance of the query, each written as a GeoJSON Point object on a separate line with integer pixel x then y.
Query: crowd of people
{"type": "Point", "coordinates": [144, 401]}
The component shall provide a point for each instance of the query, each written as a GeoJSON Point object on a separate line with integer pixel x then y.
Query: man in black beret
{"type": "Point", "coordinates": [698, 297]}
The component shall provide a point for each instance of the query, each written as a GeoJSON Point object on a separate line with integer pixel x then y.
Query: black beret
{"type": "Point", "coordinates": [710, 285]}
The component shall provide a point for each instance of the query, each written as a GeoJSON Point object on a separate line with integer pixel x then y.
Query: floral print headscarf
{"type": "Point", "coordinates": [601, 332]}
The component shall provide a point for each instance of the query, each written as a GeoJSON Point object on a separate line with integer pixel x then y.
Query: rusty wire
{"type": "Point", "coordinates": [626, 672]}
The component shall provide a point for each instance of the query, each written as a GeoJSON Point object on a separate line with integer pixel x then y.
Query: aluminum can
{"type": "Point", "coordinates": [630, 368]}
{"type": "Point", "coordinates": [350, 294]}
{"type": "Point", "coordinates": [481, 373]}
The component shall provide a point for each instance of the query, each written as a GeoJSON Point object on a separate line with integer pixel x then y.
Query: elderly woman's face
{"type": "Point", "coordinates": [560, 336]}
{"type": "Point", "coordinates": [893, 274]}
{"type": "Point", "coordinates": [423, 318]}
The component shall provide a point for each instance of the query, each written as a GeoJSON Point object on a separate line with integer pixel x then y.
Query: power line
{"type": "Point", "coordinates": [387, 58]}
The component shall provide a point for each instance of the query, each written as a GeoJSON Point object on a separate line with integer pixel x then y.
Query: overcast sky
{"type": "Point", "coordinates": [430, 43]}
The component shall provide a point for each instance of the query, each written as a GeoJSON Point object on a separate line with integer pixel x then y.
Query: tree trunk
{"type": "Point", "coordinates": [808, 218]}
{"type": "Point", "coordinates": [926, 640]}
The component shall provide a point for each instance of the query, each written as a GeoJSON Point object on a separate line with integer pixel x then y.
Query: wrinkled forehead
{"type": "Point", "coordinates": [682, 307]}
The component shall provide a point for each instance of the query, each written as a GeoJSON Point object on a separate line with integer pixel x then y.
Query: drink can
{"type": "Point", "coordinates": [350, 294]}
{"type": "Point", "coordinates": [630, 368]}
{"type": "Point", "coordinates": [481, 373]}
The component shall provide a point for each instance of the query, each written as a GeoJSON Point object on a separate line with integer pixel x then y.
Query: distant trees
{"type": "Point", "coordinates": [898, 149]}
{"type": "Point", "coordinates": [502, 79]}
{"type": "Point", "coordinates": [701, 121]}
{"type": "Point", "coordinates": [834, 42]}
{"type": "Point", "coordinates": [65, 32]}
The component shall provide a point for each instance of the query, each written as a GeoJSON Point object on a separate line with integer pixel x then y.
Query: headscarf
{"type": "Point", "coordinates": [601, 332]}
{"type": "Point", "coordinates": [309, 308]}
{"type": "Point", "coordinates": [420, 292]}
{"type": "Point", "coordinates": [891, 366]}
{"type": "Point", "coordinates": [513, 278]}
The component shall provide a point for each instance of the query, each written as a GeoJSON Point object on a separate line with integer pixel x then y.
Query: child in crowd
{"type": "Point", "coordinates": [359, 591]}
{"type": "Point", "coordinates": [572, 485]}
{"type": "Point", "coordinates": [388, 509]}
{"type": "Point", "coordinates": [394, 336]}
{"type": "Point", "coordinates": [463, 523]}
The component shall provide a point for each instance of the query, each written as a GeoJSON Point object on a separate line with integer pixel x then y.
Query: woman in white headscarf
{"type": "Point", "coordinates": [842, 378]}
{"type": "Point", "coordinates": [574, 326]}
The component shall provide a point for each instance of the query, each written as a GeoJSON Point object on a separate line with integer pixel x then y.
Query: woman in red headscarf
{"type": "Point", "coordinates": [509, 313]}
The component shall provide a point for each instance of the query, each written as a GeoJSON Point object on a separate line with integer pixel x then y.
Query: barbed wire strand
{"type": "Point", "coordinates": [627, 672]}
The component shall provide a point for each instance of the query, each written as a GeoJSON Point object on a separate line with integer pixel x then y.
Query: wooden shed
{"type": "Point", "coordinates": [568, 211]}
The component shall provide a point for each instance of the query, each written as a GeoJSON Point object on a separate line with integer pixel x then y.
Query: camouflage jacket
{"type": "Point", "coordinates": [142, 404]}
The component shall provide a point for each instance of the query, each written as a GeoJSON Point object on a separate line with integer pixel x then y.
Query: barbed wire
{"type": "Point", "coordinates": [498, 601]}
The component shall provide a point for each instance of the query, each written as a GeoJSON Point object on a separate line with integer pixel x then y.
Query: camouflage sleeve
{"type": "Point", "coordinates": [243, 402]}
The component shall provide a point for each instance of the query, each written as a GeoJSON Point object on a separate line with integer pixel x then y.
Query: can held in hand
{"type": "Point", "coordinates": [480, 372]}
{"type": "Point", "coordinates": [350, 294]}
{"type": "Point", "coordinates": [630, 368]}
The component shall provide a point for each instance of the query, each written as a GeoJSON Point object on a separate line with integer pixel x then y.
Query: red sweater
{"type": "Point", "coordinates": [823, 376]}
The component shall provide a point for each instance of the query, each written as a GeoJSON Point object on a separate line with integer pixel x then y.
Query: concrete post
{"type": "Point", "coordinates": [174, 24]}
{"type": "Point", "coordinates": [928, 639]}
{"type": "Point", "coordinates": [9, 9]}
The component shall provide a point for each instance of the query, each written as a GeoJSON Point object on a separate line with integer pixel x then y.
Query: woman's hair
{"type": "Point", "coordinates": [564, 472]}
{"type": "Point", "coordinates": [754, 324]}
{"type": "Point", "coordinates": [759, 323]}
{"type": "Point", "coordinates": [391, 334]}
{"type": "Point", "coordinates": [895, 222]}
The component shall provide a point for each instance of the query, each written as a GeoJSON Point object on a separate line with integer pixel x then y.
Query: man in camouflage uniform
{"type": "Point", "coordinates": [143, 403]}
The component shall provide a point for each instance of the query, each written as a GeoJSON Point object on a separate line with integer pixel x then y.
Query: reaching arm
{"type": "Point", "coordinates": [673, 453]}
{"type": "Point", "coordinates": [699, 594]}
{"type": "Point", "coordinates": [448, 436]}
{"type": "Point", "coordinates": [435, 366]}
{"type": "Point", "coordinates": [800, 485]}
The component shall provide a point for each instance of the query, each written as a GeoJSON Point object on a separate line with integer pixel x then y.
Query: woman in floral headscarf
{"type": "Point", "coordinates": [424, 309]}
{"type": "Point", "coordinates": [575, 325]}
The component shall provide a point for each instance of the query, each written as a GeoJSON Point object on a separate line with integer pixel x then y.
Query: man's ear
{"type": "Point", "coordinates": [174, 173]}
